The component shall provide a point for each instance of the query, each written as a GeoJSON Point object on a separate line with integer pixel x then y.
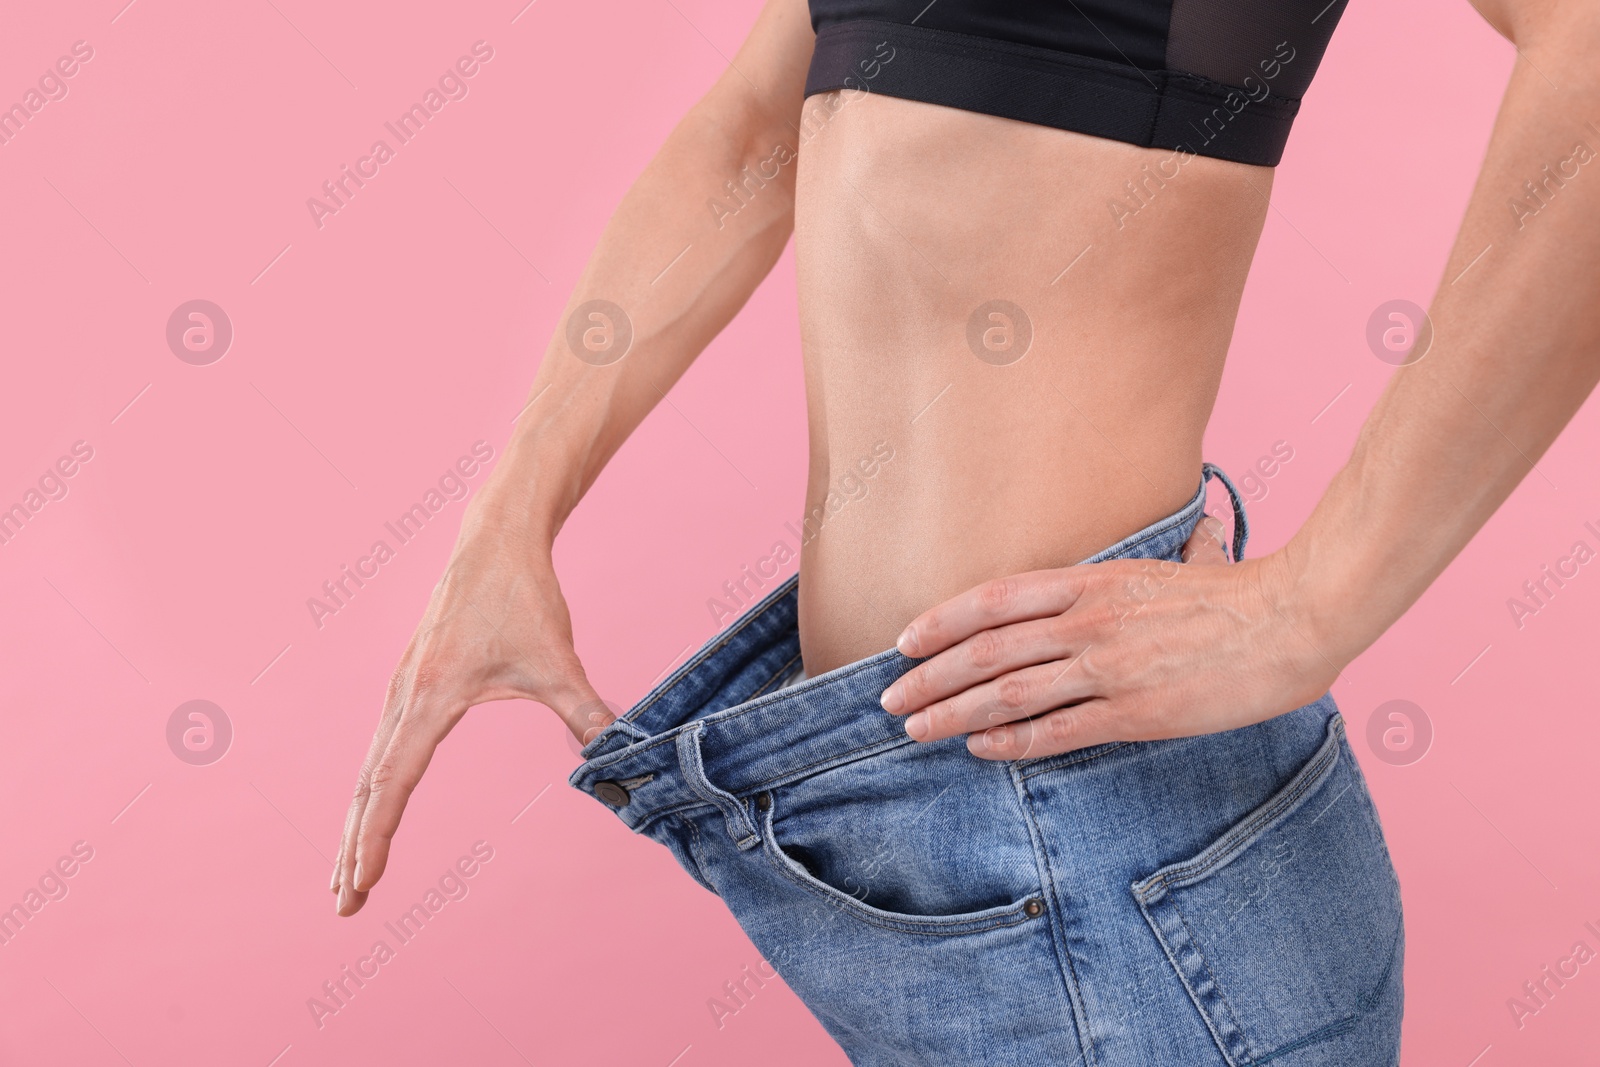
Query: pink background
{"type": "Point", "coordinates": [372, 352]}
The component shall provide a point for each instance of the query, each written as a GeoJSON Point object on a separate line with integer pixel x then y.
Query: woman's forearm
{"type": "Point", "coordinates": [1515, 353]}
{"type": "Point", "coordinates": [676, 262]}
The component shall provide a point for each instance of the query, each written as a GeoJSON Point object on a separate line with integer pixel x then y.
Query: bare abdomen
{"type": "Point", "coordinates": [1013, 337]}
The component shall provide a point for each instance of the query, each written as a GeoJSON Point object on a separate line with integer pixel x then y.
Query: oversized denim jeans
{"type": "Point", "coordinates": [1223, 899]}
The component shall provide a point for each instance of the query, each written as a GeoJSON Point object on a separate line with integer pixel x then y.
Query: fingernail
{"type": "Point", "coordinates": [917, 725]}
{"type": "Point", "coordinates": [333, 884]}
{"type": "Point", "coordinates": [357, 882]}
{"type": "Point", "coordinates": [891, 700]}
{"type": "Point", "coordinates": [344, 900]}
{"type": "Point", "coordinates": [907, 642]}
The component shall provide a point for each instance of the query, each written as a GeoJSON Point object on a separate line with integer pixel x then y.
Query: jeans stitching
{"type": "Point", "coordinates": [777, 597]}
{"type": "Point", "coordinates": [888, 744]}
{"type": "Point", "coordinates": [906, 925]}
{"type": "Point", "coordinates": [1194, 944]}
{"type": "Point", "coordinates": [692, 761]}
{"type": "Point", "coordinates": [1310, 777]}
{"type": "Point", "coordinates": [1080, 1011]}
{"type": "Point", "coordinates": [926, 926]}
{"type": "Point", "coordinates": [763, 687]}
{"type": "Point", "coordinates": [1365, 1003]}
{"type": "Point", "coordinates": [1183, 978]}
{"type": "Point", "coordinates": [1313, 776]}
{"type": "Point", "coordinates": [697, 852]}
{"type": "Point", "coordinates": [786, 778]}
{"type": "Point", "coordinates": [1051, 763]}
{"type": "Point", "coordinates": [653, 817]}
{"type": "Point", "coordinates": [1338, 1028]}
{"type": "Point", "coordinates": [726, 715]}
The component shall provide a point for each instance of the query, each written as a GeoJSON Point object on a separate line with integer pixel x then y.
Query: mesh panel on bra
{"type": "Point", "coordinates": [1229, 41]}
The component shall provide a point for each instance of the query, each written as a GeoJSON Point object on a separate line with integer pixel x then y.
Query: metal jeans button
{"type": "Point", "coordinates": [612, 793]}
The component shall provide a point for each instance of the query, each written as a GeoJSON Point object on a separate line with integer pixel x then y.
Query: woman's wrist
{"type": "Point", "coordinates": [519, 501]}
{"type": "Point", "coordinates": [1319, 611]}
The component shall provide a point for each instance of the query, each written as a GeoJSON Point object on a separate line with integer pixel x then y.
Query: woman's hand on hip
{"type": "Point", "coordinates": [1126, 650]}
{"type": "Point", "coordinates": [496, 628]}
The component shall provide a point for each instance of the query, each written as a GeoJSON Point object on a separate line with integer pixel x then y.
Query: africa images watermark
{"type": "Point", "coordinates": [199, 332]}
{"type": "Point", "coordinates": [1144, 189]}
{"type": "Point", "coordinates": [852, 485]}
{"type": "Point", "coordinates": [738, 992]}
{"type": "Point", "coordinates": [351, 579]}
{"type": "Point", "coordinates": [52, 85]}
{"type": "Point", "coordinates": [52, 485]}
{"type": "Point", "coordinates": [1537, 993]}
{"type": "Point", "coordinates": [814, 117]}
{"type": "Point", "coordinates": [199, 732]}
{"type": "Point", "coordinates": [452, 885]}
{"type": "Point", "coordinates": [51, 886]}
{"type": "Point", "coordinates": [452, 85]}
{"type": "Point", "coordinates": [1253, 483]}
{"type": "Point", "coordinates": [1540, 194]}
{"type": "Point", "coordinates": [999, 332]}
{"type": "Point", "coordinates": [1539, 591]}
{"type": "Point", "coordinates": [1399, 332]}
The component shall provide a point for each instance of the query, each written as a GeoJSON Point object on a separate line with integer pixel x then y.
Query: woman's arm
{"type": "Point", "coordinates": [581, 408]}
{"type": "Point", "coordinates": [1515, 354]}
{"type": "Point", "coordinates": [1516, 351]}
{"type": "Point", "coordinates": [668, 273]}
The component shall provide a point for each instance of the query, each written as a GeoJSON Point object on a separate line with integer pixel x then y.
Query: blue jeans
{"type": "Point", "coordinates": [1222, 899]}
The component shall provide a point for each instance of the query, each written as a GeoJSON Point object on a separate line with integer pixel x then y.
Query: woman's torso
{"type": "Point", "coordinates": [1022, 233]}
{"type": "Point", "coordinates": [942, 452]}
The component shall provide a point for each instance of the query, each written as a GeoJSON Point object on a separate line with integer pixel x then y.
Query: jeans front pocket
{"type": "Point", "coordinates": [919, 838]}
{"type": "Point", "coordinates": [850, 897]}
{"type": "Point", "coordinates": [1286, 931]}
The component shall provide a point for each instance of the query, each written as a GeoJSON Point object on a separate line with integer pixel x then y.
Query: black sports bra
{"type": "Point", "coordinates": [1218, 78]}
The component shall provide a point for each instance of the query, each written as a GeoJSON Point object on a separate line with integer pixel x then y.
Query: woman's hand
{"type": "Point", "coordinates": [496, 628]}
{"type": "Point", "coordinates": [1125, 650]}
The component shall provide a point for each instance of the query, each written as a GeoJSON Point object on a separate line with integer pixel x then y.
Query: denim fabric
{"type": "Point", "coordinates": [1223, 899]}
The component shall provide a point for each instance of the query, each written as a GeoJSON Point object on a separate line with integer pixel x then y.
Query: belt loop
{"type": "Point", "coordinates": [694, 775]}
{"type": "Point", "coordinates": [1241, 523]}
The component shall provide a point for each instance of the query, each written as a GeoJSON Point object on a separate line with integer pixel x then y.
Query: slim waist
{"type": "Point", "coordinates": [725, 716]}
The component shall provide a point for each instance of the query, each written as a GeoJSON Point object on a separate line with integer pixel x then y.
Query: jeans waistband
{"type": "Point", "coordinates": [721, 728]}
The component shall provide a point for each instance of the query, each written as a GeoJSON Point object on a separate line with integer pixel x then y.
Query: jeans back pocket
{"type": "Point", "coordinates": [1286, 931]}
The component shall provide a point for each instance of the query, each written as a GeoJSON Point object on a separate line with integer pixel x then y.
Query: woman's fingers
{"type": "Point", "coordinates": [1011, 623]}
{"type": "Point", "coordinates": [1034, 595]}
{"type": "Point", "coordinates": [344, 865]}
{"type": "Point", "coordinates": [1094, 722]}
{"type": "Point", "coordinates": [425, 702]}
{"type": "Point", "coordinates": [1148, 649]}
{"type": "Point", "coordinates": [1018, 695]}
{"type": "Point", "coordinates": [391, 783]}
{"type": "Point", "coordinates": [1205, 545]}
{"type": "Point", "coordinates": [592, 717]}
{"type": "Point", "coordinates": [496, 628]}
{"type": "Point", "coordinates": [578, 705]}
{"type": "Point", "coordinates": [985, 655]}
